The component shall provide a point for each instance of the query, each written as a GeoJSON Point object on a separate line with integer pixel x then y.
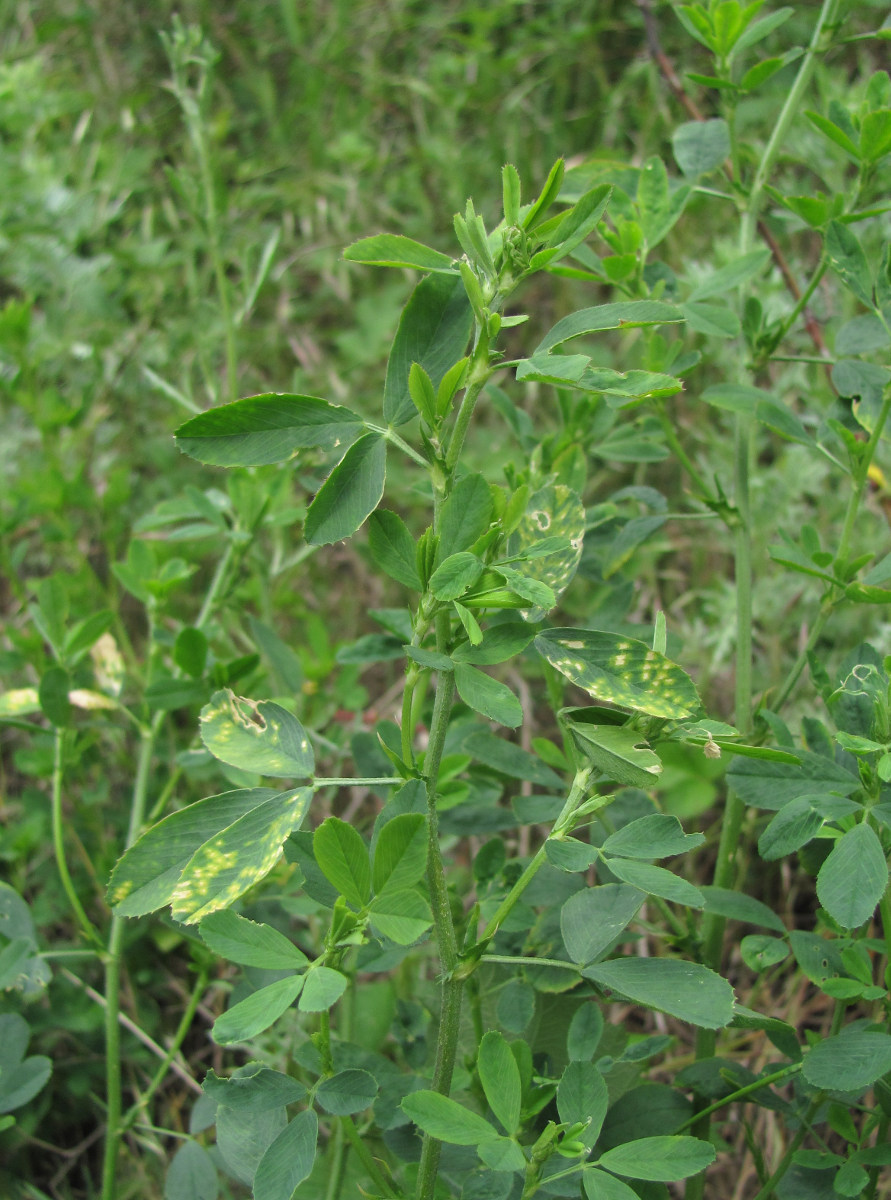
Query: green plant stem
{"type": "Point", "coordinates": [357, 1142]}
{"type": "Point", "coordinates": [674, 442]}
{"type": "Point", "coordinates": [786, 1161]}
{"type": "Point", "coordinates": [462, 421]}
{"type": "Point", "coordinates": [765, 1081]}
{"type": "Point", "coordinates": [87, 927]}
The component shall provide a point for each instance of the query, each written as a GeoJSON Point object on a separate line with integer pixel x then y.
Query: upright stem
{"type": "Point", "coordinates": [87, 926]}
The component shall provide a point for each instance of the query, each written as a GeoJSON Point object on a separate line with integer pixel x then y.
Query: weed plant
{"type": "Point", "coordinates": [344, 786]}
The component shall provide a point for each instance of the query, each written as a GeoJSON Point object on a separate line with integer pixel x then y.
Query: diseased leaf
{"type": "Point", "coordinates": [552, 511]}
{"type": "Point", "coordinates": [262, 737]}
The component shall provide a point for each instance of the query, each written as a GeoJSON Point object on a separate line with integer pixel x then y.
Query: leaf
{"type": "Point", "coordinates": [701, 146]}
{"type": "Point", "coordinates": [759, 952]}
{"type": "Point", "coordinates": [455, 575]}
{"type": "Point", "coordinates": [771, 785]}
{"type": "Point", "coordinates": [584, 1033]}
{"type": "Point", "coordinates": [401, 915]}
{"type": "Point", "coordinates": [223, 868]}
{"type": "Point", "coordinates": [244, 1137]}
{"type": "Point", "coordinates": [250, 944]}
{"type": "Point", "coordinates": [21, 1079]}
{"type": "Point", "coordinates": [600, 1186]}
{"type": "Point", "coordinates": [466, 515]}
{"type": "Point", "coordinates": [723, 281]}
{"type": "Point", "coordinates": [400, 853]}
{"type": "Point", "coordinates": [509, 759]}
{"type": "Point", "coordinates": [500, 1077]}
{"type": "Point", "coordinates": [433, 332]}
{"type": "Point", "coordinates": [656, 881]}
{"type": "Point", "coordinates": [654, 836]}
{"type": "Point", "coordinates": [626, 314]}
{"type": "Point", "coordinates": [618, 752]}
{"type": "Point", "coordinates": [394, 250]}
{"type": "Point", "coordinates": [684, 990]}
{"type": "Point", "coordinates": [712, 320]}
{"type": "Point", "coordinates": [447, 1120]}
{"type": "Point", "coordinates": [53, 696]}
{"type": "Point", "coordinates": [552, 511]}
{"type": "Point", "coordinates": [256, 1013]}
{"type": "Point", "coordinates": [499, 644]}
{"type": "Point", "coordinates": [793, 827]}
{"type": "Point", "coordinates": [350, 494]}
{"type": "Point", "coordinates": [834, 133]}
{"type": "Point", "coordinates": [582, 1097]}
{"type": "Point", "coordinates": [146, 876]}
{"type": "Point", "coordinates": [487, 696]}
{"type": "Point", "coordinates": [852, 1060]}
{"type": "Point", "coordinates": [392, 548]}
{"type": "Point", "coordinates": [848, 259]}
{"type": "Point", "coordinates": [592, 919]}
{"type": "Point", "coordinates": [620, 670]}
{"type": "Point", "coordinates": [266, 429]}
{"type": "Point", "coordinates": [736, 906]}
{"type": "Point", "coordinates": [349, 1091]}
{"type": "Point", "coordinates": [289, 1160]}
{"type": "Point", "coordinates": [502, 1154]}
{"type": "Point", "coordinates": [263, 737]}
{"type": "Point", "coordinates": [343, 858]}
{"type": "Point", "coordinates": [191, 1175]}
{"type": "Point", "coordinates": [853, 878]}
{"type": "Point", "coordinates": [255, 1089]}
{"type": "Point", "coordinates": [322, 989]}
{"type": "Point", "coordinates": [660, 1158]}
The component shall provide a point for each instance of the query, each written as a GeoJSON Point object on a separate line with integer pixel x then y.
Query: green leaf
{"type": "Point", "coordinates": [684, 990]}
{"type": "Point", "coordinates": [256, 1013]}
{"type": "Point", "coordinates": [263, 738]}
{"type": "Point", "coordinates": [853, 878]}
{"type": "Point", "coordinates": [394, 250]}
{"type": "Point", "coordinates": [509, 759]}
{"type": "Point", "coordinates": [255, 1089]}
{"type": "Point", "coordinates": [146, 876]}
{"type": "Point", "coordinates": [447, 1120]}
{"type": "Point", "coordinates": [400, 853]}
{"type": "Point", "coordinates": [349, 1091]}
{"type": "Point", "coordinates": [592, 919]}
{"type": "Point", "coordinates": [278, 654]}
{"type": "Point", "coordinates": [620, 670]}
{"type": "Point", "coordinates": [546, 198]}
{"type": "Point", "coordinates": [835, 134]}
{"type": "Point", "coordinates": [250, 944]}
{"type": "Point", "coordinates": [510, 191]}
{"type": "Point", "coordinates": [401, 915]}
{"type": "Point", "coordinates": [392, 548]}
{"type": "Point", "coordinates": [500, 1077]}
{"type": "Point", "coordinates": [552, 511]}
{"type": "Point", "coordinates": [433, 331]}
{"type": "Point", "coordinates": [654, 836]}
{"type": "Point", "coordinates": [499, 644]}
{"type": "Point", "coordinates": [736, 906]}
{"type": "Point", "coordinates": [659, 1158]}
{"type": "Point", "coordinates": [723, 281]}
{"type": "Point", "coordinates": [455, 575]}
{"type": "Point", "coordinates": [701, 146]}
{"type": "Point", "coordinates": [20, 1078]}
{"type": "Point", "coordinates": [266, 429]}
{"type": "Point", "coordinates": [582, 1097]}
{"type": "Point", "coordinates": [322, 989]}
{"type": "Point", "coordinates": [712, 320]}
{"type": "Point", "coordinates": [852, 1060]}
{"type": "Point", "coordinates": [584, 1033]}
{"type": "Point", "coordinates": [487, 696]}
{"type": "Point", "coordinates": [53, 696]}
{"type": "Point", "coordinates": [350, 494]}
{"type": "Point", "coordinates": [656, 881]}
{"type": "Point", "coordinates": [289, 1160]}
{"type": "Point", "coordinates": [793, 827]}
{"type": "Point", "coordinates": [191, 1175]}
{"type": "Point", "coordinates": [760, 952]}
{"type": "Point", "coordinates": [190, 651]}
{"type": "Point", "coordinates": [244, 1137]}
{"type": "Point", "coordinates": [466, 515]}
{"type": "Point", "coordinates": [619, 752]}
{"type": "Point", "coordinates": [576, 226]}
{"type": "Point", "coordinates": [773, 784]}
{"type": "Point", "coordinates": [848, 259]}
{"type": "Point", "coordinates": [626, 314]}
{"type": "Point", "coordinates": [343, 858]}
{"type": "Point", "coordinates": [516, 1006]}
{"type": "Point", "coordinates": [600, 1186]}
{"type": "Point", "coordinates": [223, 868]}
{"type": "Point", "coordinates": [502, 1154]}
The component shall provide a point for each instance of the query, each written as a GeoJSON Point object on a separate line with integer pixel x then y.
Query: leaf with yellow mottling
{"type": "Point", "coordinates": [554, 511]}
{"type": "Point", "coordinates": [263, 737]}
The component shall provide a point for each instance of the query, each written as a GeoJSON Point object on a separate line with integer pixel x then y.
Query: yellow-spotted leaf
{"type": "Point", "coordinates": [620, 670]}
{"type": "Point", "coordinates": [262, 737]}
{"type": "Point", "coordinates": [554, 511]}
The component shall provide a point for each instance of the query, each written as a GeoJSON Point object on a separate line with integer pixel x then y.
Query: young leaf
{"type": "Point", "coordinates": [487, 696]}
{"type": "Point", "coordinates": [684, 990]}
{"type": "Point", "coordinates": [620, 670]}
{"type": "Point", "coordinates": [394, 250]}
{"type": "Point", "coordinates": [400, 853]}
{"type": "Point", "coordinates": [421, 391]}
{"type": "Point", "coordinates": [455, 575]}
{"type": "Point", "coordinates": [348, 1091]}
{"type": "Point", "coordinates": [350, 494]}
{"type": "Point", "coordinates": [289, 1160]}
{"type": "Point", "coordinates": [433, 331]}
{"type": "Point", "coordinates": [500, 1078]}
{"type": "Point", "coordinates": [592, 919]}
{"type": "Point", "coordinates": [447, 1120]}
{"type": "Point", "coordinates": [701, 146]}
{"type": "Point", "coordinates": [853, 878]}
{"type": "Point", "coordinates": [510, 189]}
{"type": "Point", "coordinates": [225, 866]}
{"type": "Point", "coordinates": [659, 1158]}
{"type": "Point", "coordinates": [260, 1010]}
{"type": "Point", "coordinates": [250, 944]}
{"type": "Point", "coordinates": [262, 737]}
{"type": "Point", "coordinates": [343, 857]}
{"type": "Point", "coordinates": [582, 1097]}
{"type": "Point", "coordinates": [392, 548]}
{"type": "Point", "coordinates": [578, 224]}
{"type": "Point", "coordinates": [266, 429]}
{"type": "Point", "coordinates": [549, 194]}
